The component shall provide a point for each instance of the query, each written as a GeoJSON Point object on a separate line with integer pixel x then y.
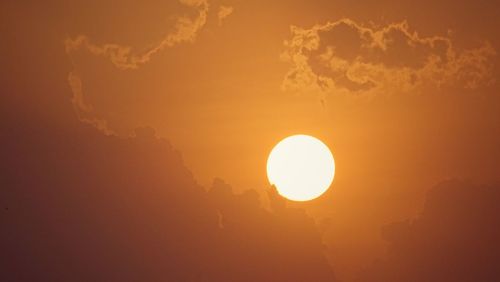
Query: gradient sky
{"type": "Point", "coordinates": [405, 94]}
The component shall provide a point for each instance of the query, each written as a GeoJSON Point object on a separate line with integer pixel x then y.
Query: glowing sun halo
{"type": "Point", "coordinates": [301, 167]}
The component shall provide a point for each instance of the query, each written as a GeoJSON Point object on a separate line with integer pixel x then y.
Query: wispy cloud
{"type": "Point", "coordinates": [224, 12]}
{"type": "Point", "coordinates": [126, 58]}
{"type": "Point", "coordinates": [82, 109]}
{"type": "Point", "coordinates": [346, 57]}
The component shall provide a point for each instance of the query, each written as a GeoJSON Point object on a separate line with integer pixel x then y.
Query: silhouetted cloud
{"type": "Point", "coordinates": [258, 245]}
{"type": "Point", "coordinates": [346, 57]}
{"type": "Point", "coordinates": [455, 238]}
{"type": "Point", "coordinates": [78, 205]}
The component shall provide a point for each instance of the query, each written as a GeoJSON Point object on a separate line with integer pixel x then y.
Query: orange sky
{"type": "Point", "coordinates": [405, 94]}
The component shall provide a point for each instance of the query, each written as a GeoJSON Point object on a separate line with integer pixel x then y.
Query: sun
{"type": "Point", "coordinates": [301, 167]}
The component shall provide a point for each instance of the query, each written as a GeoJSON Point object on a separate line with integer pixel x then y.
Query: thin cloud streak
{"type": "Point", "coordinates": [124, 58]}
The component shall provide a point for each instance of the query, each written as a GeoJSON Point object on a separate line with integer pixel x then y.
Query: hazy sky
{"type": "Point", "coordinates": [405, 94]}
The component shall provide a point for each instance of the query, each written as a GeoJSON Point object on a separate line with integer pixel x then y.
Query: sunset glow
{"type": "Point", "coordinates": [250, 141]}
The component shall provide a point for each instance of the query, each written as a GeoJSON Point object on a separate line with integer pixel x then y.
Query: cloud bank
{"type": "Point", "coordinates": [455, 238]}
{"type": "Point", "coordinates": [90, 207]}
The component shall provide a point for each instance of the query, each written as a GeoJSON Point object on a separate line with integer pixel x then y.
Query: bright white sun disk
{"type": "Point", "coordinates": [301, 167]}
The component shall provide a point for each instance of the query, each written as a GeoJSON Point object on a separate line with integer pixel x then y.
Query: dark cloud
{"type": "Point", "coordinates": [78, 205]}
{"type": "Point", "coordinates": [455, 238]}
